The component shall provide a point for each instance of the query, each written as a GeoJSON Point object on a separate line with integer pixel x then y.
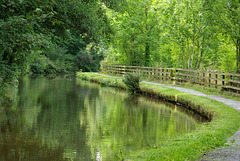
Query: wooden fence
{"type": "Point", "coordinates": [226, 81]}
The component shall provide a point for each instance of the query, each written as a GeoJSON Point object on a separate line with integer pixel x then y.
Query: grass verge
{"type": "Point", "coordinates": [201, 88]}
{"type": "Point", "coordinates": [192, 146]}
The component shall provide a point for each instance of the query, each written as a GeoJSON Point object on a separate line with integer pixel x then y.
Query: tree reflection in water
{"type": "Point", "coordinates": [62, 119]}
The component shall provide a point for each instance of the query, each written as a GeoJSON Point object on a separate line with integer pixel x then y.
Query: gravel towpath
{"type": "Point", "coordinates": [225, 153]}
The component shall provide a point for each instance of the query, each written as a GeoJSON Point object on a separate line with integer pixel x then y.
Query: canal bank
{"type": "Point", "coordinates": [192, 146]}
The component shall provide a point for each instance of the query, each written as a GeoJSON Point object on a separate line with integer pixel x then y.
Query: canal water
{"type": "Point", "coordinates": [68, 119]}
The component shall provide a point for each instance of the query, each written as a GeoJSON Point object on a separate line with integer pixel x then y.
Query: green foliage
{"type": "Point", "coordinates": [131, 81]}
{"type": "Point", "coordinates": [53, 60]}
{"type": "Point", "coordinates": [195, 34]}
{"type": "Point", "coordinates": [84, 19]}
{"type": "Point", "coordinates": [185, 34]}
{"type": "Point", "coordinates": [21, 30]}
{"type": "Point", "coordinates": [89, 59]}
{"type": "Point", "coordinates": [136, 32]}
{"type": "Point", "coordinates": [29, 26]}
{"type": "Point", "coordinates": [226, 57]}
{"type": "Point", "coordinates": [42, 65]}
{"type": "Point", "coordinates": [225, 15]}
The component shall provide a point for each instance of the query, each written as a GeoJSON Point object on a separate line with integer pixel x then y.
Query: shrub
{"type": "Point", "coordinates": [131, 80]}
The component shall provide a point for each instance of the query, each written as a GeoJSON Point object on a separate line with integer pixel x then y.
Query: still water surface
{"type": "Point", "coordinates": [63, 119]}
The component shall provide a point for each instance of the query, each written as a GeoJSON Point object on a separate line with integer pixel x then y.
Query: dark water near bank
{"type": "Point", "coordinates": [62, 119]}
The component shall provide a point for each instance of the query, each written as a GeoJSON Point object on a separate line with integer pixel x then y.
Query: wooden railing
{"type": "Point", "coordinates": [226, 81]}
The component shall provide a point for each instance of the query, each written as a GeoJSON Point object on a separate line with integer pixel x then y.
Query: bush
{"type": "Point", "coordinates": [132, 82]}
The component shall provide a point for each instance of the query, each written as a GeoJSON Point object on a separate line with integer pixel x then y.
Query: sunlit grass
{"type": "Point", "coordinates": [201, 88]}
{"type": "Point", "coordinates": [191, 146]}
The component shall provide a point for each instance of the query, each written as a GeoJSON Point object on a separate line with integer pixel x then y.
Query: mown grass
{"type": "Point", "coordinates": [192, 146]}
{"type": "Point", "coordinates": [201, 88]}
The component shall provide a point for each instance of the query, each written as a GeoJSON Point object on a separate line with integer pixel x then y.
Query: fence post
{"type": "Point", "coordinates": [216, 82]}
{"type": "Point", "coordinates": [223, 77]}
{"type": "Point", "coordinates": [152, 72]}
{"type": "Point", "coordinates": [148, 73]}
{"type": "Point", "coordinates": [203, 79]}
{"type": "Point", "coordinates": [231, 78]}
{"type": "Point", "coordinates": [198, 79]}
{"type": "Point", "coordinates": [145, 72]}
{"type": "Point", "coordinates": [171, 75]}
{"type": "Point", "coordinates": [176, 76]}
{"type": "Point", "coordinates": [162, 74]}
{"type": "Point", "coordinates": [209, 80]}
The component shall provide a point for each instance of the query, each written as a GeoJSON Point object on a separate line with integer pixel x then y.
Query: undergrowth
{"type": "Point", "coordinates": [132, 82]}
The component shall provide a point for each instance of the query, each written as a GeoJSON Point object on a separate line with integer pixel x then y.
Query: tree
{"type": "Point", "coordinates": [136, 32]}
{"type": "Point", "coordinates": [187, 28]}
{"type": "Point", "coordinates": [225, 14]}
{"type": "Point", "coordinates": [28, 26]}
{"type": "Point", "coordinates": [20, 32]}
{"type": "Point", "coordinates": [87, 26]}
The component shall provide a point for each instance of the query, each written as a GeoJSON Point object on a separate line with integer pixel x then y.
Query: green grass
{"type": "Point", "coordinates": [191, 146]}
{"type": "Point", "coordinates": [201, 88]}
{"type": "Point", "coordinates": [210, 90]}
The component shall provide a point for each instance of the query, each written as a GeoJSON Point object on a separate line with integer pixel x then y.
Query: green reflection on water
{"type": "Point", "coordinates": [62, 119]}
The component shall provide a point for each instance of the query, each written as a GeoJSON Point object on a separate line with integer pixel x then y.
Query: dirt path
{"type": "Point", "coordinates": [225, 153]}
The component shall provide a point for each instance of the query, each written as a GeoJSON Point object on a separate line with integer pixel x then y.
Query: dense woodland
{"type": "Point", "coordinates": [64, 36]}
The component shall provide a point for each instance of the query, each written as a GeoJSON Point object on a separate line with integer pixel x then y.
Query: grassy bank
{"type": "Point", "coordinates": [191, 146]}
{"type": "Point", "coordinates": [201, 88]}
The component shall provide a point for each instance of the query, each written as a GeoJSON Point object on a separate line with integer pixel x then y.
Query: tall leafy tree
{"type": "Point", "coordinates": [183, 33]}
{"type": "Point", "coordinates": [88, 27]}
{"type": "Point", "coordinates": [189, 30]}
{"type": "Point", "coordinates": [137, 32]}
{"type": "Point", "coordinates": [30, 25]}
{"type": "Point", "coordinates": [21, 30]}
{"type": "Point", "coordinates": [225, 14]}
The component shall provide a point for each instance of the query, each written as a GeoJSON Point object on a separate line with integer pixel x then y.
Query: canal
{"type": "Point", "coordinates": [68, 119]}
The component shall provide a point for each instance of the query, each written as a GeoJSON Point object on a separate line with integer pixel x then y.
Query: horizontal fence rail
{"type": "Point", "coordinates": [226, 81]}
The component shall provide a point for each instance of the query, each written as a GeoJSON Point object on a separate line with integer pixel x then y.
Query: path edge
{"type": "Point", "coordinates": [178, 97]}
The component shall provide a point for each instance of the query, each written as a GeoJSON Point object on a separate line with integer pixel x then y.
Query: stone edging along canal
{"type": "Point", "coordinates": [225, 120]}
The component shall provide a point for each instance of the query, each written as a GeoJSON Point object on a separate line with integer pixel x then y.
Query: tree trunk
{"type": "Point", "coordinates": [192, 49]}
{"type": "Point", "coordinates": [189, 53]}
{"type": "Point", "coordinates": [179, 59]}
{"type": "Point", "coordinates": [238, 55]}
{"type": "Point", "coordinates": [127, 54]}
{"type": "Point", "coordinates": [132, 50]}
{"type": "Point", "coordinates": [147, 54]}
{"type": "Point", "coordinates": [200, 55]}
{"type": "Point", "coordinates": [183, 53]}
{"type": "Point", "coordinates": [8, 59]}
